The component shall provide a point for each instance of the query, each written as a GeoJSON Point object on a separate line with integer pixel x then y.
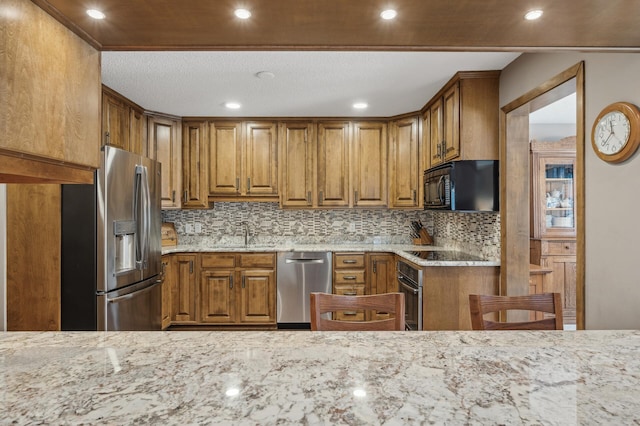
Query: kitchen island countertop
{"type": "Point", "coordinates": [403, 250]}
{"type": "Point", "coordinates": [303, 377]}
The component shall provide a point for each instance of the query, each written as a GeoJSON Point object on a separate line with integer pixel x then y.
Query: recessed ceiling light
{"type": "Point", "coordinates": [360, 105]}
{"type": "Point", "coordinates": [95, 14]}
{"type": "Point", "coordinates": [242, 13]}
{"type": "Point", "coordinates": [532, 15]}
{"type": "Point", "coordinates": [388, 14]}
{"type": "Point", "coordinates": [265, 75]}
{"type": "Point", "coordinates": [232, 105]}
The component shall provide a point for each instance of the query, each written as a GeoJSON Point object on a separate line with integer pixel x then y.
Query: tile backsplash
{"type": "Point", "coordinates": [266, 223]}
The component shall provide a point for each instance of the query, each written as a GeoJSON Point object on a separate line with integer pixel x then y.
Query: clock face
{"type": "Point", "coordinates": [612, 133]}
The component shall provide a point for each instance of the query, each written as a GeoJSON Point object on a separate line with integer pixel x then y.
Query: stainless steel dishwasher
{"type": "Point", "coordinates": [299, 274]}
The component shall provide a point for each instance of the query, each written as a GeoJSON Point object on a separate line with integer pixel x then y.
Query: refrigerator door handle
{"type": "Point", "coordinates": [142, 208]}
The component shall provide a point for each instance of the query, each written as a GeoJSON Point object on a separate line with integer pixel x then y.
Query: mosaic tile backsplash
{"type": "Point", "coordinates": [266, 223]}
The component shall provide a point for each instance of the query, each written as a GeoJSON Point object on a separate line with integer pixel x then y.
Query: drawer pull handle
{"type": "Point", "coordinates": [349, 313]}
{"type": "Point", "coordinates": [349, 277]}
{"type": "Point", "coordinates": [350, 293]}
{"type": "Point", "coordinates": [567, 247]}
{"type": "Point", "coordinates": [349, 261]}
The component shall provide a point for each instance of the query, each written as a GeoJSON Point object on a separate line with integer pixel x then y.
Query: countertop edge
{"type": "Point", "coordinates": [399, 249]}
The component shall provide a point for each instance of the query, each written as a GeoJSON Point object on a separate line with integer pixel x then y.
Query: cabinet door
{"type": "Point", "coordinates": [382, 278]}
{"type": "Point", "coordinates": [194, 169]}
{"type": "Point", "coordinates": [436, 138]}
{"type": "Point", "coordinates": [297, 153]}
{"type": "Point", "coordinates": [563, 279]}
{"type": "Point", "coordinates": [257, 296]}
{"type": "Point", "coordinates": [225, 153]}
{"type": "Point", "coordinates": [370, 164]}
{"type": "Point", "coordinates": [425, 148]}
{"type": "Point", "coordinates": [164, 140]}
{"type": "Point", "coordinates": [333, 164]}
{"type": "Point", "coordinates": [261, 164]}
{"type": "Point", "coordinates": [115, 122]}
{"type": "Point", "coordinates": [137, 128]}
{"type": "Point", "coordinates": [217, 300]}
{"type": "Point", "coordinates": [555, 197]}
{"type": "Point", "coordinates": [167, 284]}
{"type": "Point", "coordinates": [183, 292]}
{"type": "Point", "coordinates": [451, 122]}
{"type": "Point", "coordinates": [404, 161]}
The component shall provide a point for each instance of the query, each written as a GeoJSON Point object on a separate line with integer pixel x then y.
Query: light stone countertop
{"type": "Point", "coordinates": [320, 378]}
{"type": "Point", "coordinates": [399, 249]}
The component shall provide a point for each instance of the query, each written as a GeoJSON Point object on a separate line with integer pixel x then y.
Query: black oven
{"type": "Point", "coordinates": [410, 283]}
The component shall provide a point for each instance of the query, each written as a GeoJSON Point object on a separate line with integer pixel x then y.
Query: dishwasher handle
{"type": "Point", "coordinates": [304, 261]}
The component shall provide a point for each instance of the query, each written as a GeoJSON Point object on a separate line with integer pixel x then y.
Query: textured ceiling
{"type": "Point", "coordinates": [306, 84]}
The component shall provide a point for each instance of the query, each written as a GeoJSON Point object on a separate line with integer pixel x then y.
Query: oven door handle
{"type": "Point", "coordinates": [406, 286]}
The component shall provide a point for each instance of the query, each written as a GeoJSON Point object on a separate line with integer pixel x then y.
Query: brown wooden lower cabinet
{"type": "Point", "coordinates": [539, 282]}
{"type": "Point", "coordinates": [183, 289]}
{"type": "Point", "coordinates": [381, 273]}
{"type": "Point", "coordinates": [167, 273]}
{"type": "Point", "coordinates": [224, 289]}
{"type": "Point", "coordinates": [445, 296]}
{"type": "Point", "coordinates": [363, 273]}
{"type": "Point", "coordinates": [560, 257]}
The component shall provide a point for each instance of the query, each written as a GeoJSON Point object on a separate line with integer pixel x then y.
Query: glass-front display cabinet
{"type": "Point", "coordinates": [553, 189]}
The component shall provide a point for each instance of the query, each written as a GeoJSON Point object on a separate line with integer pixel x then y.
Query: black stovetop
{"type": "Point", "coordinates": [445, 255]}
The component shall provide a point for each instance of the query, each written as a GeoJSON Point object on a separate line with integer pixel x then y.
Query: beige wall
{"type": "Point", "coordinates": [612, 200]}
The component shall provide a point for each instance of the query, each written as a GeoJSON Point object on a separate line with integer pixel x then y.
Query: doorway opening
{"type": "Point", "coordinates": [542, 155]}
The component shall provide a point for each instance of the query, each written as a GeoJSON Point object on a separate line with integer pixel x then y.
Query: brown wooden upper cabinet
{"type": "Point", "coordinates": [243, 161]}
{"type": "Point", "coordinates": [324, 164]}
{"type": "Point", "coordinates": [164, 144]}
{"type": "Point", "coordinates": [195, 191]}
{"type": "Point", "coordinates": [405, 165]}
{"type": "Point", "coordinates": [369, 172]}
{"type": "Point", "coordinates": [463, 119]}
{"type": "Point", "coordinates": [123, 123]}
{"type": "Point", "coordinates": [315, 164]}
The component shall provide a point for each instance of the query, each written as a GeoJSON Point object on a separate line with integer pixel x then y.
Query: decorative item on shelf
{"type": "Point", "coordinates": [615, 135]}
{"type": "Point", "coordinates": [420, 235]}
{"type": "Point", "coordinates": [169, 234]}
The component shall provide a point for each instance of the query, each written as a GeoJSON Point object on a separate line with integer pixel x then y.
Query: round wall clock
{"type": "Point", "coordinates": [616, 132]}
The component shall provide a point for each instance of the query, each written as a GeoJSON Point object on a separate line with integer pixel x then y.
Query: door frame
{"type": "Point", "coordinates": [514, 181]}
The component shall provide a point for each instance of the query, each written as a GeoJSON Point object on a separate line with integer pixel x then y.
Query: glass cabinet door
{"type": "Point", "coordinates": [558, 207]}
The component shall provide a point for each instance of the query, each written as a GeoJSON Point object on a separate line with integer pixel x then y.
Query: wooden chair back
{"type": "Point", "coordinates": [321, 303]}
{"type": "Point", "coordinates": [546, 302]}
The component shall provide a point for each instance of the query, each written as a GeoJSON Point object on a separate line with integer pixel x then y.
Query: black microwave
{"type": "Point", "coordinates": [465, 185]}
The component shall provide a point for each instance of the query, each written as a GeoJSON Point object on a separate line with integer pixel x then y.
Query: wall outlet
{"type": "Point", "coordinates": [188, 228]}
{"type": "Point", "coordinates": [198, 228]}
{"type": "Point", "coordinates": [352, 227]}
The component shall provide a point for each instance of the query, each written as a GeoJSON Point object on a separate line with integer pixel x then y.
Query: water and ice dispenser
{"type": "Point", "coordinates": [125, 234]}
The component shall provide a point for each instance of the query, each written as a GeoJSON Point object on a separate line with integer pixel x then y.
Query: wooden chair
{"type": "Point", "coordinates": [545, 302]}
{"type": "Point", "coordinates": [321, 303]}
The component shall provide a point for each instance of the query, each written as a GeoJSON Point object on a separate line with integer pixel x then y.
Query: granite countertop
{"type": "Point", "coordinates": [404, 250]}
{"type": "Point", "coordinates": [320, 378]}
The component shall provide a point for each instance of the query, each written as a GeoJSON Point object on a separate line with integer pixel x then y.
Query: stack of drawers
{"type": "Point", "coordinates": [349, 279]}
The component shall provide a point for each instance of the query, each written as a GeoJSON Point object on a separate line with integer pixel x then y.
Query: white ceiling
{"type": "Point", "coordinates": [306, 84]}
{"type": "Point", "coordinates": [562, 111]}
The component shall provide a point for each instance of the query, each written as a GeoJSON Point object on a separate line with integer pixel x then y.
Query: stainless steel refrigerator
{"type": "Point", "coordinates": [111, 247]}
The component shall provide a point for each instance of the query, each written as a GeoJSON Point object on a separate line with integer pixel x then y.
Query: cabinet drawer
{"type": "Point", "coordinates": [210, 260]}
{"type": "Point", "coordinates": [559, 247]}
{"type": "Point", "coordinates": [349, 277]}
{"type": "Point", "coordinates": [349, 290]}
{"type": "Point", "coordinates": [258, 260]}
{"type": "Point", "coordinates": [348, 260]}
